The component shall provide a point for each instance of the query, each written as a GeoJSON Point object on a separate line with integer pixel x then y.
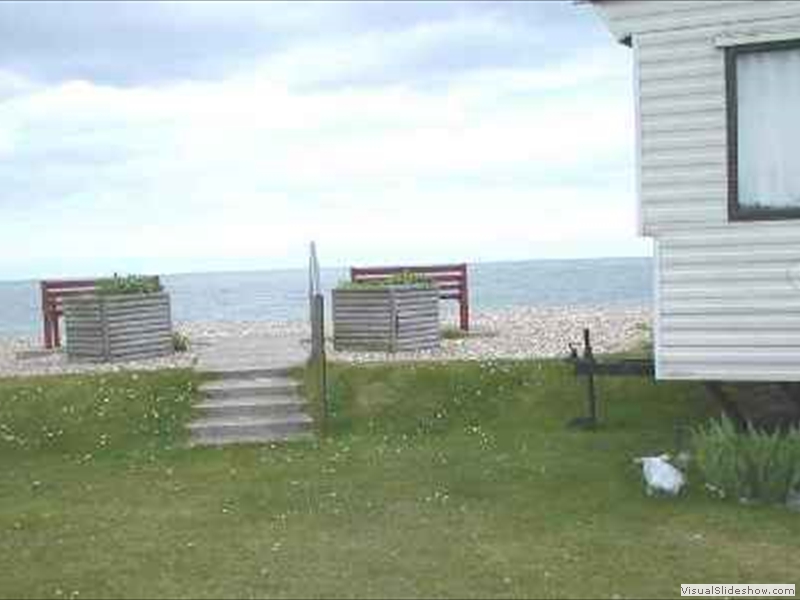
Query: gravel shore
{"type": "Point", "coordinates": [529, 332]}
{"type": "Point", "coordinates": [522, 332]}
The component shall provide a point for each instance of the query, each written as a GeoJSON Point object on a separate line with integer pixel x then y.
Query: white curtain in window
{"type": "Point", "coordinates": [768, 91]}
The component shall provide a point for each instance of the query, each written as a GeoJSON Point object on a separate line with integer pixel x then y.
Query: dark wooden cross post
{"type": "Point", "coordinates": [588, 356]}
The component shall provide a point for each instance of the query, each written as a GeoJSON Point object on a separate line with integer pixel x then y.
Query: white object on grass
{"type": "Point", "coordinates": [660, 475]}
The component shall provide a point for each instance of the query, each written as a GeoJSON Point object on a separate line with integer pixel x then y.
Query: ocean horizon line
{"type": "Point", "coordinates": [239, 271]}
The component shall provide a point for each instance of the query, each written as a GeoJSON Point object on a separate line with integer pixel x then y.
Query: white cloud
{"type": "Point", "coordinates": [13, 84]}
{"type": "Point", "coordinates": [327, 137]}
{"type": "Point", "coordinates": [498, 160]}
{"type": "Point", "coordinates": [381, 55]}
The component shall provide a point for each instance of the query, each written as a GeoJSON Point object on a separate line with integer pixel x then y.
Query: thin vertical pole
{"type": "Point", "coordinates": [317, 361]}
{"type": "Point", "coordinates": [318, 353]}
{"type": "Point", "coordinates": [323, 367]}
{"type": "Point", "coordinates": [589, 357]}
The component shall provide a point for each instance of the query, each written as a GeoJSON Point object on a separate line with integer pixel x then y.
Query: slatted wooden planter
{"type": "Point", "coordinates": [390, 318]}
{"type": "Point", "coordinates": [118, 327]}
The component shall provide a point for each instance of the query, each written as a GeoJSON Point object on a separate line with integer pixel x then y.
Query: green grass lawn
{"type": "Point", "coordinates": [451, 481]}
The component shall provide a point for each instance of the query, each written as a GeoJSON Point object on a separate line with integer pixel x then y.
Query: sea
{"type": "Point", "coordinates": [281, 295]}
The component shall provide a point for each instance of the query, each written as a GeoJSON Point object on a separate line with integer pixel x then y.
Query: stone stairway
{"type": "Point", "coordinates": [250, 406]}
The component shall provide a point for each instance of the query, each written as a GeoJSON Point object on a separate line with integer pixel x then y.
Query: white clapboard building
{"type": "Point", "coordinates": [717, 101]}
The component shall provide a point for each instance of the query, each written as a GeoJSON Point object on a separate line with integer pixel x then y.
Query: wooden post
{"type": "Point", "coordinates": [589, 357]}
{"type": "Point", "coordinates": [317, 330]}
{"type": "Point", "coordinates": [318, 353]}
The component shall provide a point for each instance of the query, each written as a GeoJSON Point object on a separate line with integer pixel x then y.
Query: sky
{"type": "Point", "coordinates": [177, 137]}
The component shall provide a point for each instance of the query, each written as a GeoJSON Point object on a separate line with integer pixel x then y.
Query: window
{"type": "Point", "coordinates": [764, 130]}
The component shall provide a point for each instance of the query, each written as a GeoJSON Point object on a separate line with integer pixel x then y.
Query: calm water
{"type": "Point", "coordinates": [281, 295]}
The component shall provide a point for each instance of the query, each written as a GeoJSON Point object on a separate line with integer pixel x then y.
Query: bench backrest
{"type": "Point", "coordinates": [450, 279]}
{"type": "Point", "coordinates": [54, 291]}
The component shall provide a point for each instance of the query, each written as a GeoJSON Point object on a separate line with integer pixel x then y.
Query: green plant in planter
{"type": "Point", "coordinates": [402, 278]}
{"type": "Point", "coordinates": [129, 284]}
{"type": "Point", "coordinates": [450, 332]}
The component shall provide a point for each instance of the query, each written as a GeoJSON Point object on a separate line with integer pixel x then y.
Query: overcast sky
{"type": "Point", "coordinates": [183, 136]}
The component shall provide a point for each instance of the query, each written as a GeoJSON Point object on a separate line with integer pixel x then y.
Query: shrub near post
{"type": "Point", "coordinates": [108, 326]}
{"type": "Point", "coordinates": [387, 318]}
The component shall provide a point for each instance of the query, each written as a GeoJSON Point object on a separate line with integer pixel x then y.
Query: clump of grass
{"type": "Point", "coordinates": [129, 284]}
{"type": "Point", "coordinates": [752, 466]}
{"type": "Point", "coordinates": [180, 341]}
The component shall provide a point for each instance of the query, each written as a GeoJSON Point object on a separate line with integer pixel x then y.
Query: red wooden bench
{"type": "Point", "coordinates": [53, 293]}
{"type": "Point", "coordinates": [451, 280]}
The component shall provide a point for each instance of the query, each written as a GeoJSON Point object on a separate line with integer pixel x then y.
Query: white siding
{"type": "Point", "coordinates": [681, 104]}
{"type": "Point", "coordinates": [684, 162]}
{"type": "Point", "coordinates": [634, 17]}
{"type": "Point", "coordinates": [728, 293]}
{"type": "Point", "coordinates": [729, 302]}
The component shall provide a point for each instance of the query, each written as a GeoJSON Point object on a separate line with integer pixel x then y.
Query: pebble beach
{"type": "Point", "coordinates": [513, 333]}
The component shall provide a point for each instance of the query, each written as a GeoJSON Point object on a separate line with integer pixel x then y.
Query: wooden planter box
{"type": "Point", "coordinates": [392, 318]}
{"type": "Point", "coordinates": [118, 327]}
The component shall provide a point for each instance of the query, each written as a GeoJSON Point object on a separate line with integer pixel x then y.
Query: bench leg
{"type": "Point", "coordinates": [48, 336]}
{"type": "Point", "coordinates": [56, 333]}
{"type": "Point", "coordinates": [464, 316]}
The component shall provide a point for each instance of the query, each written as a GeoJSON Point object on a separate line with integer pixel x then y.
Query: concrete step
{"type": "Point", "coordinates": [251, 427]}
{"type": "Point", "coordinates": [238, 372]}
{"type": "Point", "coordinates": [273, 406]}
{"type": "Point", "coordinates": [230, 438]}
{"type": "Point", "coordinates": [255, 387]}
